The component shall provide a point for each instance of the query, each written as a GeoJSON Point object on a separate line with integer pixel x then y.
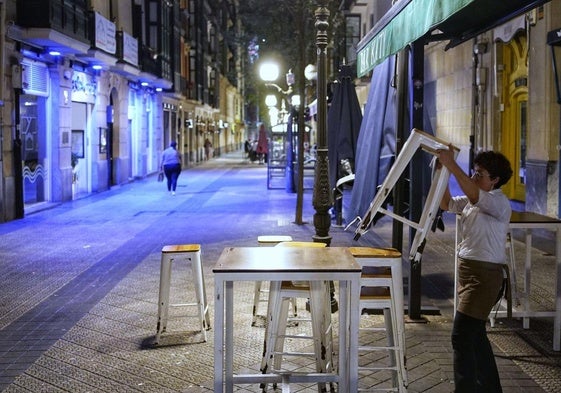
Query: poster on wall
{"type": "Point", "coordinates": [102, 140]}
{"type": "Point", "coordinates": [78, 143]}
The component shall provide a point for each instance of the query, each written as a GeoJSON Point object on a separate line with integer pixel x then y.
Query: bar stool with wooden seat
{"type": "Point", "coordinates": [382, 289]}
{"type": "Point", "coordinates": [281, 293]}
{"type": "Point", "coordinates": [170, 254]}
{"type": "Point", "coordinates": [264, 241]}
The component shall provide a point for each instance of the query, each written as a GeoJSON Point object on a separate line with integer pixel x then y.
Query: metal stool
{"type": "Point", "coordinates": [382, 289]}
{"type": "Point", "coordinates": [170, 254]}
{"type": "Point", "coordinates": [281, 293]}
{"type": "Point", "coordinates": [264, 241]}
{"type": "Point", "coordinates": [511, 295]}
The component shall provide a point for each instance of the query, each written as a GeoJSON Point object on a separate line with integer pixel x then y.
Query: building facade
{"type": "Point", "coordinates": [495, 91]}
{"type": "Point", "coordinates": [93, 91]}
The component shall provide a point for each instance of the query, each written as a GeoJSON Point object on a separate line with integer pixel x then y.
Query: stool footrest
{"type": "Point", "coordinates": [295, 336]}
{"type": "Point", "coordinates": [310, 354]}
{"type": "Point", "coordinates": [183, 304]}
{"type": "Point", "coordinates": [374, 329]}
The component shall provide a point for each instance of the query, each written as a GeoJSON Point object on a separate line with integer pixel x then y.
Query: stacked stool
{"type": "Point", "coordinates": [382, 289]}
{"type": "Point", "coordinates": [281, 293]}
{"type": "Point", "coordinates": [171, 254]}
{"type": "Point", "coordinates": [264, 241]}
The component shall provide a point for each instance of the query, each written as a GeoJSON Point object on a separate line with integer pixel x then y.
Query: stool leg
{"type": "Point", "coordinates": [397, 301]}
{"type": "Point", "coordinates": [163, 297]}
{"type": "Point", "coordinates": [394, 327]}
{"type": "Point", "coordinates": [200, 290]}
{"type": "Point", "coordinates": [270, 327]}
{"type": "Point", "coordinates": [256, 300]}
{"type": "Point", "coordinates": [391, 339]}
{"type": "Point", "coordinates": [318, 304]}
{"type": "Point", "coordinates": [280, 332]}
{"type": "Point", "coordinates": [512, 262]}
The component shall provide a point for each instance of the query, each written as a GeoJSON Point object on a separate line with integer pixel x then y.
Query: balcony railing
{"type": "Point", "coordinates": [65, 16]}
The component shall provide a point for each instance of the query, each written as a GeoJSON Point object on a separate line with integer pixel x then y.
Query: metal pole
{"type": "Point", "coordinates": [416, 173]}
{"type": "Point", "coordinates": [17, 155]}
{"type": "Point", "coordinates": [289, 167]}
{"type": "Point", "coordinates": [301, 122]}
{"type": "Point", "coordinates": [402, 124]}
{"type": "Point", "coordinates": [322, 197]}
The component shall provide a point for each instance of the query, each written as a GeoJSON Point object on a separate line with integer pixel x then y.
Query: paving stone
{"type": "Point", "coordinates": [79, 315]}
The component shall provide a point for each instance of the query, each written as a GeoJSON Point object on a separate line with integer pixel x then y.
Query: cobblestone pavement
{"type": "Point", "coordinates": [80, 283]}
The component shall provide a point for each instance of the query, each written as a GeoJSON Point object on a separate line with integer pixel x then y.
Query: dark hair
{"type": "Point", "coordinates": [173, 144]}
{"type": "Point", "coordinates": [496, 164]}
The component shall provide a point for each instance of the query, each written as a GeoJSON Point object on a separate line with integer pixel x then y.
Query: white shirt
{"type": "Point", "coordinates": [483, 226]}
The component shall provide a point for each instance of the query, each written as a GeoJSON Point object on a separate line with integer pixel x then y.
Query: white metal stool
{"type": "Point", "coordinates": [264, 241]}
{"type": "Point", "coordinates": [170, 254]}
{"type": "Point", "coordinates": [382, 289]}
{"type": "Point", "coordinates": [281, 293]}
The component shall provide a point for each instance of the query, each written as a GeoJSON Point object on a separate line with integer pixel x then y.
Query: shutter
{"type": "Point", "coordinates": [35, 78]}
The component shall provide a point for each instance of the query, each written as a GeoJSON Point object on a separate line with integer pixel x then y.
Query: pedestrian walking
{"type": "Point", "coordinates": [171, 166]}
{"type": "Point", "coordinates": [485, 215]}
{"type": "Point", "coordinates": [262, 145]}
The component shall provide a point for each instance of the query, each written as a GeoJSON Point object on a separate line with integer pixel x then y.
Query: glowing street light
{"type": "Point", "coordinates": [269, 71]}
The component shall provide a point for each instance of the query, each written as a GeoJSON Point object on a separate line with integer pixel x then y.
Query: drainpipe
{"type": "Point", "coordinates": [479, 79]}
{"type": "Point", "coordinates": [2, 74]}
{"type": "Point", "coordinates": [474, 94]}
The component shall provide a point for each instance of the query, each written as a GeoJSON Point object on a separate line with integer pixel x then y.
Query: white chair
{"type": "Point", "coordinates": [171, 254]}
{"type": "Point", "coordinates": [382, 289]}
{"type": "Point", "coordinates": [281, 293]}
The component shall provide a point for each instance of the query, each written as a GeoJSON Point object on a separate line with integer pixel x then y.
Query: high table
{"type": "Point", "coordinates": [529, 221]}
{"type": "Point", "coordinates": [286, 264]}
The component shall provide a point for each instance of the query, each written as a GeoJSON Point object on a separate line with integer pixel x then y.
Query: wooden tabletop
{"type": "Point", "coordinates": [289, 259]}
{"type": "Point", "coordinates": [531, 218]}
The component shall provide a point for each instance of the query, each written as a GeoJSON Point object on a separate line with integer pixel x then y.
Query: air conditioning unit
{"type": "Point", "coordinates": [34, 78]}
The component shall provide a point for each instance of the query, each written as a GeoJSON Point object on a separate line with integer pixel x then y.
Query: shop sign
{"type": "Point", "coordinates": [105, 34]}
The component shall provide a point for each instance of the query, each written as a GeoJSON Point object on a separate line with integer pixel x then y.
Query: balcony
{"type": "Point", "coordinates": [60, 25]}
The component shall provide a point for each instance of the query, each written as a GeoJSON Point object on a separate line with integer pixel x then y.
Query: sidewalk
{"type": "Point", "coordinates": [80, 284]}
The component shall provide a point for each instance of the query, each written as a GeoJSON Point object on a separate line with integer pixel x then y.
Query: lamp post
{"type": "Point", "coordinates": [269, 72]}
{"type": "Point", "coordinates": [271, 102]}
{"type": "Point", "coordinates": [554, 42]}
{"type": "Point", "coordinates": [322, 198]}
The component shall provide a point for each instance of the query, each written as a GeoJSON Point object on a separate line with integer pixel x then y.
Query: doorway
{"type": "Point", "coordinates": [515, 113]}
{"type": "Point", "coordinates": [81, 152]}
{"type": "Point", "coordinates": [33, 119]}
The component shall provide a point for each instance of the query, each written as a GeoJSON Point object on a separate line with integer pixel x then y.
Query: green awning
{"type": "Point", "coordinates": [455, 20]}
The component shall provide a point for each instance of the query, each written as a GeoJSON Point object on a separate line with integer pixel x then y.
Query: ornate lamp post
{"type": "Point", "coordinates": [322, 197]}
{"type": "Point", "coordinates": [271, 102]}
{"type": "Point", "coordinates": [269, 72]}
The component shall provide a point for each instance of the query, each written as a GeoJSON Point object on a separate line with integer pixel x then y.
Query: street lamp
{"type": "Point", "coordinates": [271, 102]}
{"type": "Point", "coordinates": [554, 42]}
{"type": "Point", "coordinates": [322, 196]}
{"type": "Point", "coordinates": [269, 73]}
